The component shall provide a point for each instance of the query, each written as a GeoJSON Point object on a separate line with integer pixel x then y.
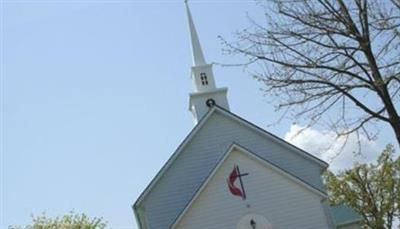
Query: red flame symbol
{"type": "Point", "coordinates": [231, 183]}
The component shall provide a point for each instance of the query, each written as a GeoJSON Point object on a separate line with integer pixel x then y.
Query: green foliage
{"type": "Point", "coordinates": [68, 221]}
{"type": "Point", "coordinates": [373, 190]}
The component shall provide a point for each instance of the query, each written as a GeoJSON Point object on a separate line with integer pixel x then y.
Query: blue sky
{"type": "Point", "coordinates": [95, 99]}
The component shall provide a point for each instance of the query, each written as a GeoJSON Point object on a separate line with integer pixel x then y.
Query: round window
{"type": "Point", "coordinates": [253, 221]}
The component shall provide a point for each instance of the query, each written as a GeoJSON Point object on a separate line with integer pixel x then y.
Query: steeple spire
{"type": "Point", "coordinates": [205, 94]}
{"type": "Point", "coordinates": [197, 52]}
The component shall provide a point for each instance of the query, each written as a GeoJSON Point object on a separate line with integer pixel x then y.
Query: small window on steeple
{"type": "Point", "coordinates": [203, 78]}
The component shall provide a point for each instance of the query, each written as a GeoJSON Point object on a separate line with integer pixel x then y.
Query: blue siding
{"type": "Point", "coordinates": [180, 182]}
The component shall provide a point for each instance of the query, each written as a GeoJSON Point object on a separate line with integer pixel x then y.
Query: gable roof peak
{"type": "Point", "coordinates": [219, 110]}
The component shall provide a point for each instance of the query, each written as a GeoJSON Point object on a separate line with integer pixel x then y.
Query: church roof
{"type": "Point", "coordinates": [344, 215]}
{"type": "Point", "coordinates": [204, 120]}
{"type": "Point", "coordinates": [312, 160]}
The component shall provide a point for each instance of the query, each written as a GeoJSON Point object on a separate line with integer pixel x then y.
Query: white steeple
{"type": "Point", "coordinates": [198, 57]}
{"type": "Point", "coordinates": [205, 94]}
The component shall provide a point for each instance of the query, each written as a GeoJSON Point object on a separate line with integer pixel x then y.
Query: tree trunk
{"type": "Point", "coordinates": [382, 90]}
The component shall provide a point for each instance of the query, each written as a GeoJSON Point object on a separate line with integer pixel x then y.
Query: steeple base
{"type": "Point", "coordinates": [201, 102]}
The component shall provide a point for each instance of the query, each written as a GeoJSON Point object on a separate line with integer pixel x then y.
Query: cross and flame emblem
{"type": "Point", "coordinates": [233, 176]}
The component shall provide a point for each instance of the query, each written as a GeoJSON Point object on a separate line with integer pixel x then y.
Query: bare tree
{"type": "Point", "coordinates": [334, 62]}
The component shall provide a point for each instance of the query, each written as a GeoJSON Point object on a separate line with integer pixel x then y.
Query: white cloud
{"type": "Point", "coordinates": [337, 152]}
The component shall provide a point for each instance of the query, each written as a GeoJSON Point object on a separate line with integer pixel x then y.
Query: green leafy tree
{"type": "Point", "coordinates": [68, 221]}
{"type": "Point", "coordinates": [373, 190]}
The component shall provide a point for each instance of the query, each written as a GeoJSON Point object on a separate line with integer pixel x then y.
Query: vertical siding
{"type": "Point", "coordinates": [180, 182]}
{"type": "Point", "coordinates": [283, 202]}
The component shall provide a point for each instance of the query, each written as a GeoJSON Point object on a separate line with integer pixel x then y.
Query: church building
{"type": "Point", "coordinates": [231, 174]}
